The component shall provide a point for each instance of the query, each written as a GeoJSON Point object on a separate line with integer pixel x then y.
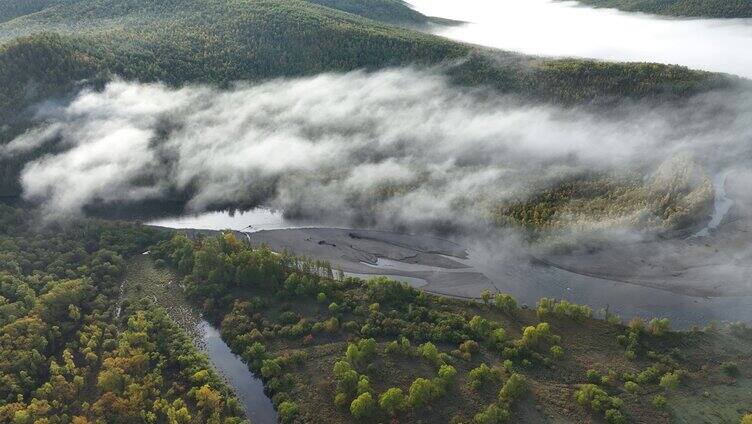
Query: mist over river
{"type": "Point", "coordinates": [556, 28]}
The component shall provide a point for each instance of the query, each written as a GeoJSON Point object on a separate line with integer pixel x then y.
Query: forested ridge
{"type": "Point", "coordinates": [683, 8]}
{"type": "Point", "coordinates": [218, 41]}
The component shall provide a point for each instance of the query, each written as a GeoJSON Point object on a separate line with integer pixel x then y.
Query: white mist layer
{"type": "Point", "coordinates": [400, 147]}
{"type": "Point", "coordinates": [553, 28]}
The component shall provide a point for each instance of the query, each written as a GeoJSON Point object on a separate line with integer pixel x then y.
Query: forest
{"type": "Point", "coordinates": [684, 8]}
{"type": "Point", "coordinates": [68, 354]}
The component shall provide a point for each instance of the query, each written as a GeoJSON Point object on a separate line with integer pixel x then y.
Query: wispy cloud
{"type": "Point", "coordinates": [400, 147]}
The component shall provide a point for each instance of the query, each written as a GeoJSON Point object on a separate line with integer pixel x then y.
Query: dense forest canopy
{"type": "Point", "coordinates": [67, 352]}
{"type": "Point", "coordinates": [684, 8]}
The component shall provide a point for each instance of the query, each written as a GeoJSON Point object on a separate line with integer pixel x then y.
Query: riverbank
{"type": "Point", "coordinates": [160, 285]}
{"type": "Point", "coordinates": [331, 349]}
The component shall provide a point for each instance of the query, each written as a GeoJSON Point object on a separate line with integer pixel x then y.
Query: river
{"type": "Point", "coordinates": [248, 388]}
{"type": "Point", "coordinates": [566, 28]}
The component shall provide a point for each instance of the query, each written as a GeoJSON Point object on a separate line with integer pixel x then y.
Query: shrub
{"type": "Point", "coordinates": [341, 399]}
{"type": "Point", "coordinates": [429, 351]}
{"type": "Point", "coordinates": [651, 374]}
{"type": "Point", "coordinates": [358, 353]}
{"type": "Point", "coordinates": [481, 327]}
{"type": "Point", "coordinates": [486, 295]}
{"type": "Point", "coordinates": [658, 327]}
{"type": "Point", "coordinates": [422, 392]}
{"type": "Point", "coordinates": [498, 337]}
{"type": "Point", "coordinates": [287, 411]}
{"type": "Point", "coordinates": [593, 376]}
{"type": "Point", "coordinates": [364, 386]}
{"type": "Point", "coordinates": [563, 308]}
{"type": "Point", "coordinates": [659, 401]}
{"type": "Point", "coordinates": [637, 324]}
{"type": "Point", "coordinates": [533, 337]}
{"type": "Point", "coordinates": [614, 416]}
{"type": "Point", "coordinates": [446, 374]}
{"type": "Point", "coordinates": [469, 347]}
{"type": "Point", "coordinates": [730, 368]}
{"type": "Point", "coordinates": [505, 303]}
{"type": "Point", "coordinates": [595, 398]}
{"type": "Point", "coordinates": [670, 380]}
{"type": "Point", "coordinates": [270, 368]}
{"type": "Point", "coordinates": [494, 414]}
{"type": "Point", "coordinates": [557, 352]}
{"type": "Point", "coordinates": [612, 319]}
{"type": "Point", "coordinates": [515, 387]}
{"type": "Point", "coordinates": [321, 297]}
{"type": "Point", "coordinates": [362, 406]}
{"type": "Point", "coordinates": [289, 317]}
{"type": "Point", "coordinates": [480, 376]}
{"type": "Point", "coordinates": [747, 419]}
{"type": "Point", "coordinates": [631, 386]}
{"type": "Point", "coordinates": [331, 325]}
{"type": "Point", "coordinates": [392, 401]}
{"type": "Point", "coordinates": [347, 378]}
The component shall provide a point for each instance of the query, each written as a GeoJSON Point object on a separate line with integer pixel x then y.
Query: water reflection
{"type": "Point", "coordinates": [248, 221]}
{"type": "Point", "coordinates": [249, 389]}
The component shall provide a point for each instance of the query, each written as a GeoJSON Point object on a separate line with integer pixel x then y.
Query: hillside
{"type": "Point", "coordinates": [55, 51]}
{"type": "Point", "coordinates": [218, 41]}
{"type": "Point", "coordinates": [682, 8]}
{"type": "Point", "coordinates": [11, 9]}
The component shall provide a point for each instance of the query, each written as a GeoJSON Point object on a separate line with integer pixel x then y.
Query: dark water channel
{"type": "Point", "coordinates": [248, 388]}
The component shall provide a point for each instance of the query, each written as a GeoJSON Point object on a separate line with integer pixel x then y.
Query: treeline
{"type": "Point", "coordinates": [67, 355]}
{"type": "Point", "coordinates": [685, 8]}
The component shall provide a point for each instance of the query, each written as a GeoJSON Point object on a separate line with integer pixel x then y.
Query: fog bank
{"type": "Point", "coordinates": [401, 148]}
{"type": "Point", "coordinates": [554, 28]}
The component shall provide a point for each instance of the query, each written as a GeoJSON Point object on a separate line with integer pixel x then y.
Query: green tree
{"type": "Point", "coordinates": [392, 401]}
{"type": "Point", "coordinates": [362, 406]}
{"type": "Point", "coordinates": [422, 392]}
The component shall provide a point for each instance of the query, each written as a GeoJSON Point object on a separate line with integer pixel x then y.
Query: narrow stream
{"type": "Point", "coordinates": [249, 389]}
